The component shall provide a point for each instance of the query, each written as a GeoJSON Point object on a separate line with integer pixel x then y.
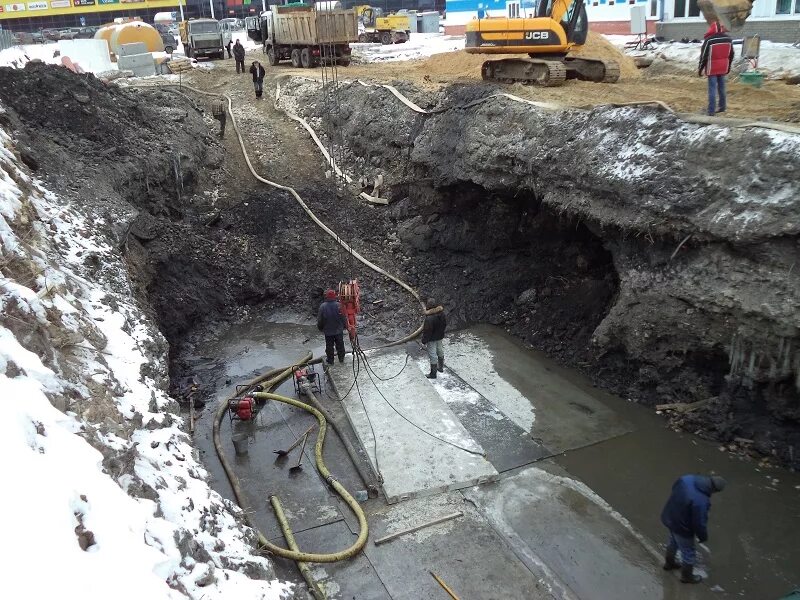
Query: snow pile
{"type": "Point", "coordinates": [419, 45]}
{"type": "Point", "coordinates": [777, 60]}
{"type": "Point", "coordinates": [87, 420]}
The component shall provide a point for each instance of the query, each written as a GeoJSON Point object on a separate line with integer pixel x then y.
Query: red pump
{"type": "Point", "coordinates": [350, 303]}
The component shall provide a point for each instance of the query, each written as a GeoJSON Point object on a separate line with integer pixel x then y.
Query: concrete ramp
{"type": "Point", "coordinates": [422, 448]}
{"type": "Point", "coordinates": [558, 525]}
{"type": "Point", "coordinates": [548, 404]}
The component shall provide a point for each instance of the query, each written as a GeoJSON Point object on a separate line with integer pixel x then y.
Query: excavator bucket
{"type": "Point", "coordinates": [731, 14]}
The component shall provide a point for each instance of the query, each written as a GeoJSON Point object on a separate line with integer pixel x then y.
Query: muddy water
{"type": "Point", "coordinates": [754, 525]}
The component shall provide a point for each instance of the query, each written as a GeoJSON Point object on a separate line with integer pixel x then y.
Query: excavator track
{"type": "Point", "coordinates": [547, 73]}
{"type": "Point", "coordinates": [592, 69]}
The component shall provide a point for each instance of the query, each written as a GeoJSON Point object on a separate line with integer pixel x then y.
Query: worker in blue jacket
{"type": "Point", "coordinates": [686, 517]}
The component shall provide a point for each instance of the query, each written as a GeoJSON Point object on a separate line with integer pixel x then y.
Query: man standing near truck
{"type": "Point", "coordinates": [238, 54]}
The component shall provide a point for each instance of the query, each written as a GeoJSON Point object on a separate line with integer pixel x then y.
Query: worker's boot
{"type": "Point", "coordinates": [670, 562]}
{"type": "Point", "coordinates": [341, 358]}
{"type": "Point", "coordinates": [441, 365]}
{"type": "Point", "coordinates": [432, 374]}
{"type": "Point", "coordinates": [688, 575]}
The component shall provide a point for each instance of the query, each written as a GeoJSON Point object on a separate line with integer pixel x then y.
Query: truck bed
{"type": "Point", "coordinates": [309, 27]}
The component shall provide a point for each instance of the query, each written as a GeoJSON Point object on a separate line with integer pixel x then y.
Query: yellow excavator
{"type": "Point", "coordinates": [557, 27]}
{"type": "Point", "coordinates": [547, 37]}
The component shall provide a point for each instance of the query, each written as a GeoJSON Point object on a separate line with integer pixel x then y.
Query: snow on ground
{"type": "Point", "coordinates": [419, 45]}
{"type": "Point", "coordinates": [473, 360]}
{"type": "Point", "coordinates": [82, 375]}
{"type": "Point", "coordinates": [777, 60]}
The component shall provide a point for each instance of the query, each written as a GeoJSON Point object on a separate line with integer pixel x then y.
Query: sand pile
{"type": "Point", "coordinates": [597, 46]}
{"type": "Point", "coordinates": [455, 65]}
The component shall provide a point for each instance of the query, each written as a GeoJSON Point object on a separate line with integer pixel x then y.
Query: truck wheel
{"type": "Point", "coordinates": [272, 58]}
{"type": "Point", "coordinates": [296, 59]}
{"type": "Point", "coordinates": [363, 38]}
{"type": "Point", "coordinates": [169, 49]}
{"type": "Point", "coordinates": [305, 58]}
{"type": "Point", "coordinates": [386, 38]}
{"type": "Point", "coordinates": [344, 62]}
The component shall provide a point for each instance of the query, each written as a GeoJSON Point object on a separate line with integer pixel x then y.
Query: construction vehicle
{"type": "Point", "coordinates": [375, 27]}
{"type": "Point", "coordinates": [308, 36]}
{"type": "Point", "coordinates": [557, 27]}
{"type": "Point", "coordinates": [203, 37]}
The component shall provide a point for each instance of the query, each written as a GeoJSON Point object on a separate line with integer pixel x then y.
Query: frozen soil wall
{"type": "Point", "coordinates": [98, 457]}
{"type": "Point", "coordinates": [657, 255]}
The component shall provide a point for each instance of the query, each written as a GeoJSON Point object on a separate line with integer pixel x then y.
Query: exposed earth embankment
{"type": "Point", "coordinates": [656, 254]}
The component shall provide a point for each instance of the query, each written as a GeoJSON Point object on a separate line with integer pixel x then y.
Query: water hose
{"type": "Point", "coordinates": [368, 477]}
{"type": "Point", "coordinates": [311, 214]}
{"type": "Point", "coordinates": [313, 586]}
{"type": "Point", "coordinates": [299, 556]}
{"type": "Point", "coordinates": [269, 380]}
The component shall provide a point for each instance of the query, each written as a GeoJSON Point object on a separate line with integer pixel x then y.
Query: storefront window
{"type": "Point", "coordinates": [783, 7]}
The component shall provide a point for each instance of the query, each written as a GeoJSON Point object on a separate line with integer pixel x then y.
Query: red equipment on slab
{"type": "Point", "coordinates": [350, 303]}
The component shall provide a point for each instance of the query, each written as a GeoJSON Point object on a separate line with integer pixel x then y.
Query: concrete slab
{"type": "Point", "coordinates": [466, 553]}
{"type": "Point", "coordinates": [352, 578]}
{"type": "Point", "coordinates": [552, 404]}
{"type": "Point", "coordinates": [507, 445]}
{"type": "Point", "coordinates": [555, 521]}
{"type": "Point", "coordinates": [411, 460]}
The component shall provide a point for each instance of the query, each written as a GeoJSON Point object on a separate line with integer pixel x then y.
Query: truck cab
{"type": "Point", "coordinates": [204, 37]}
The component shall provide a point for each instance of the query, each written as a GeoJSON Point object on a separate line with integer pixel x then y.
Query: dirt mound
{"type": "Point", "coordinates": [597, 46]}
{"type": "Point", "coordinates": [460, 64]}
{"type": "Point", "coordinates": [454, 65]}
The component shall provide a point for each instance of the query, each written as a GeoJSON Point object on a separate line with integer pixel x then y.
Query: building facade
{"type": "Point", "coordinates": [775, 20]}
{"type": "Point", "coordinates": [59, 14]}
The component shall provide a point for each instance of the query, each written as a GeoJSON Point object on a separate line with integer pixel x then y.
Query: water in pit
{"type": "Point", "coordinates": [754, 525]}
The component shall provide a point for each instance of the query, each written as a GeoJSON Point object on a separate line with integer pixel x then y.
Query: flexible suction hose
{"type": "Point", "coordinates": [270, 380]}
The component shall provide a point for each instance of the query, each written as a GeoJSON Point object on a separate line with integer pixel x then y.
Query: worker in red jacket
{"type": "Point", "coordinates": [716, 58]}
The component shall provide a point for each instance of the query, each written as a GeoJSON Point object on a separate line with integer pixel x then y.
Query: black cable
{"type": "Point", "coordinates": [410, 422]}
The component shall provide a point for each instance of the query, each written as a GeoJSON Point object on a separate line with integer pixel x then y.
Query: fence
{"type": "Point", "coordinates": [6, 40]}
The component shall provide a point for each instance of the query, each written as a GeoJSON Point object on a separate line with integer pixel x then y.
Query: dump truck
{"type": "Point", "coordinates": [203, 37]}
{"type": "Point", "coordinates": [308, 36]}
{"type": "Point", "coordinates": [375, 27]}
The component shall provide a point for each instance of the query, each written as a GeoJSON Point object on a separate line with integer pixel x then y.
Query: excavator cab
{"type": "Point", "coordinates": [574, 20]}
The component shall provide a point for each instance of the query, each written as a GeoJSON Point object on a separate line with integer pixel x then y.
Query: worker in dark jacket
{"type": "Point", "coordinates": [330, 321]}
{"type": "Point", "coordinates": [716, 58]}
{"type": "Point", "coordinates": [433, 334]}
{"type": "Point", "coordinates": [686, 517]}
{"type": "Point", "coordinates": [228, 48]}
{"type": "Point", "coordinates": [257, 71]}
{"type": "Point", "coordinates": [238, 55]}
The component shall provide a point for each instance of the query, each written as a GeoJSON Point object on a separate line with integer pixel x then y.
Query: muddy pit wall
{"type": "Point", "coordinates": [657, 255]}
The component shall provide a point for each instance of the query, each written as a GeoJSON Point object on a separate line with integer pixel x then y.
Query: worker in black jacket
{"type": "Point", "coordinates": [331, 323]}
{"type": "Point", "coordinates": [433, 334]}
{"type": "Point", "coordinates": [238, 54]}
{"type": "Point", "coordinates": [257, 71]}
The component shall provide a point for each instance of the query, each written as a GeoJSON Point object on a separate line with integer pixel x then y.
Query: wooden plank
{"type": "Point", "coordinates": [392, 536]}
